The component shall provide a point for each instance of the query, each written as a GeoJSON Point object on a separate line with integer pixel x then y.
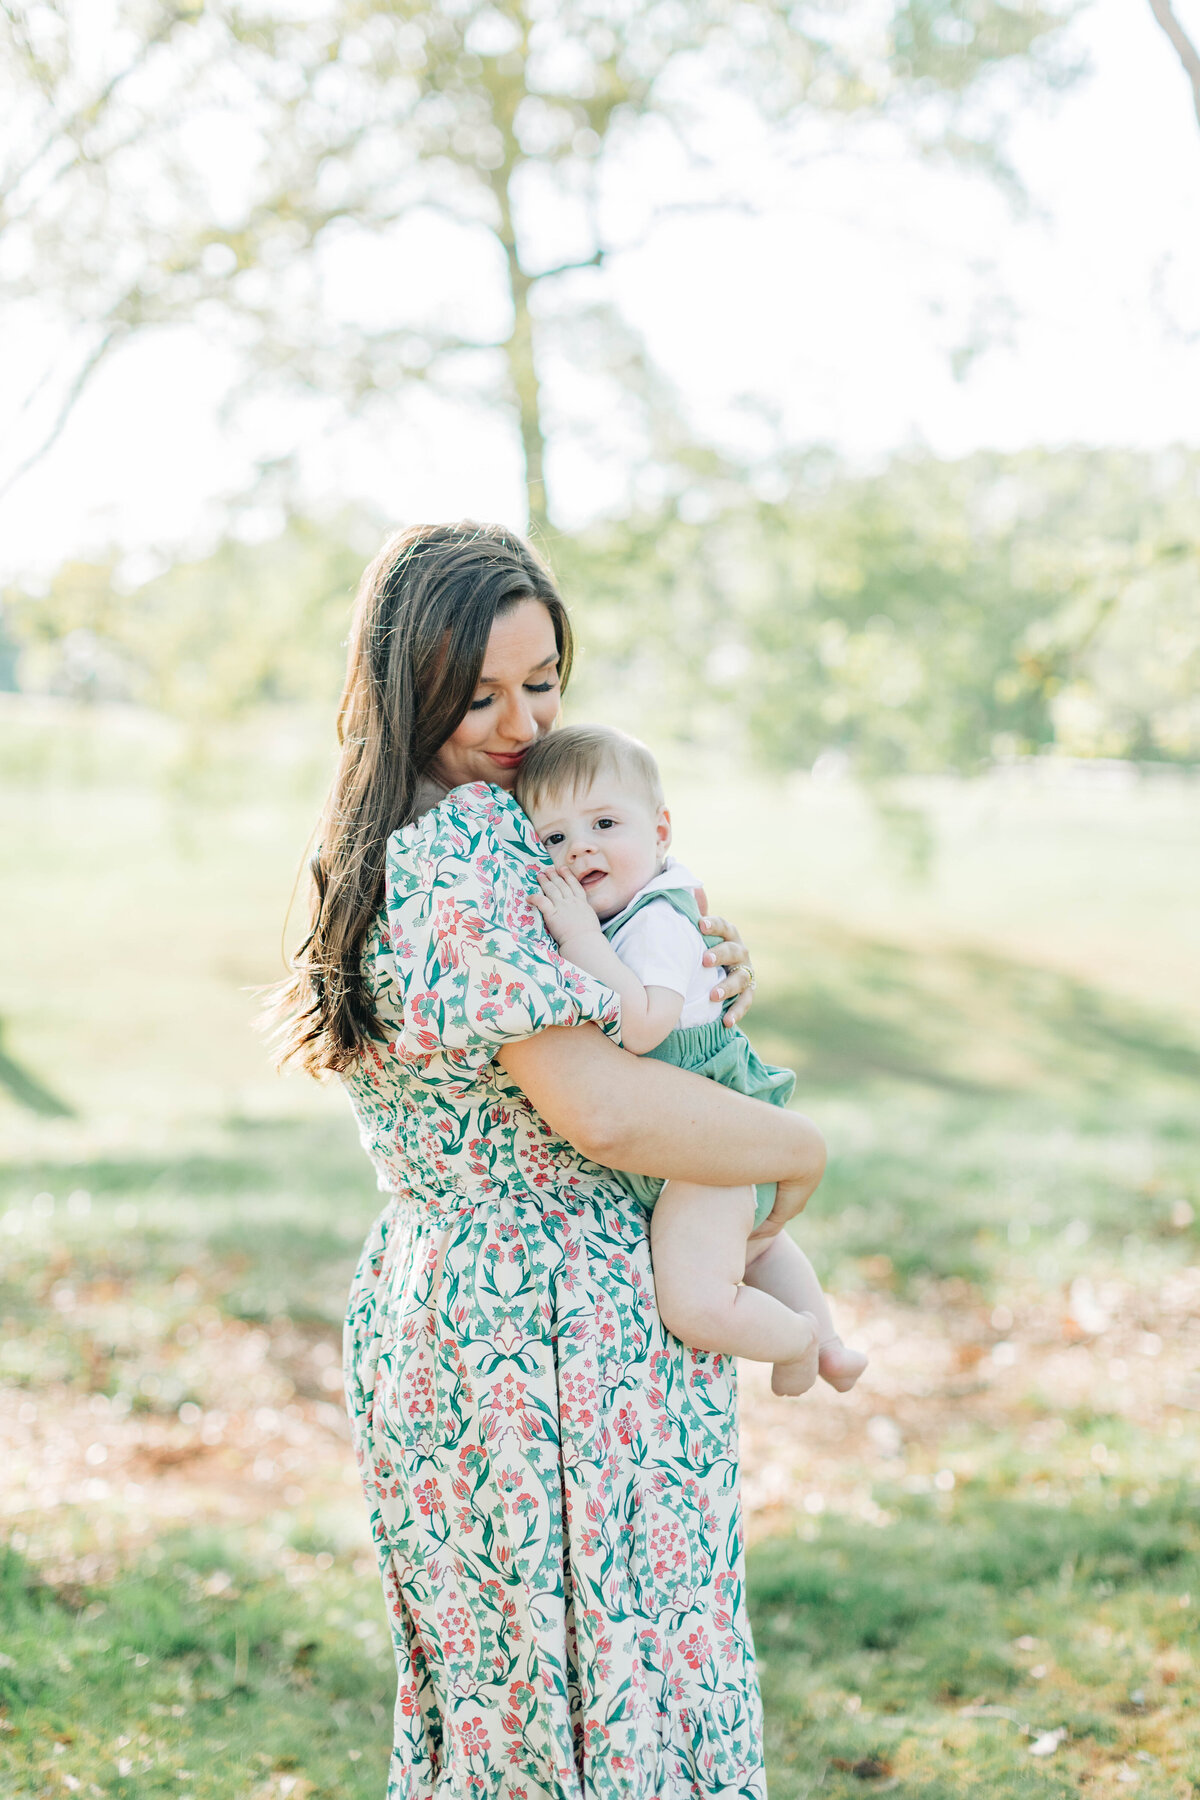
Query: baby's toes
{"type": "Point", "coordinates": [840, 1365]}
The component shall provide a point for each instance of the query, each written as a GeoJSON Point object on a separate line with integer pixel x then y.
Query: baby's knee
{"type": "Point", "coordinates": [698, 1319]}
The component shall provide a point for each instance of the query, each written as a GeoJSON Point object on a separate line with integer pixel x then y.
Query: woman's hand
{"type": "Point", "coordinates": [738, 985]}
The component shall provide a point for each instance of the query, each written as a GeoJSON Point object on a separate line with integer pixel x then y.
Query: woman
{"type": "Point", "coordinates": [553, 1481]}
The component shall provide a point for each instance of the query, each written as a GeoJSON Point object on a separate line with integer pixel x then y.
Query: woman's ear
{"type": "Point", "coordinates": [662, 829]}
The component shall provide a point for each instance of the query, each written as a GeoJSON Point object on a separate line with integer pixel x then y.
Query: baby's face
{"type": "Point", "coordinates": [610, 836]}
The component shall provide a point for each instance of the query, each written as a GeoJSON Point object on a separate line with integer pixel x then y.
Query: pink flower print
{"type": "Point", "coordinates": [407, 1700]}
{"type": "Point", "coordinates": [508, 1395]}
{"type": "Point", "coordinates": [696, 1650]}
{"type": "Point", "coordinates": [472, 1460]}
{"type": "Point", "coordinates": [428, 1498]}
{"type": "Point", "coordinates": [627, 1425]}
{"type": "Point", "coordinates": [475, 1738]}
{"type": "Point", "coordinates": [490, 986]}
{"type": "Point", "coordinates": [458, 1639]}
{"type": "Point", "coordinates": [417, 1395]}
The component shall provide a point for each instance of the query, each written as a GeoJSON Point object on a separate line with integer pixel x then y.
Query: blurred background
{"type": "Point", "coordinates": [844, 359]}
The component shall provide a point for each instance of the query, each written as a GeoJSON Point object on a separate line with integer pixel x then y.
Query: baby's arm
{"type": "Point", "coordinates": [648, 1014]}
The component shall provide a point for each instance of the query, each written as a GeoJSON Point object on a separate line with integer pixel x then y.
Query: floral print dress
{"type": "Point", "coordinates": [553, 1481]}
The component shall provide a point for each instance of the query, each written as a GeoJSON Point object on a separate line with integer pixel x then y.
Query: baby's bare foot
{"type": "Point", "coordinates": [798, 1375]}
{"type": "Point", "coordinates": [840, 1366]}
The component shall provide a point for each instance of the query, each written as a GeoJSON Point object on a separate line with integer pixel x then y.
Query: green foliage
{"type": "Point", "coordinates": [932, 616]}
{"type": "Point", "coordinates": [251, 625]}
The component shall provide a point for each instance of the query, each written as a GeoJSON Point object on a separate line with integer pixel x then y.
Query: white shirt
{"type": "Point", "coordinates": [664, 949]}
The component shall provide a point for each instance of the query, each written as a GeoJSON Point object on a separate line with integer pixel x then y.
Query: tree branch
{"type": "Point", "coordinates": [71, 128]}
{"type": "Point", "coordinates": [65, 410]}
{"type": "Point", "coordinates": [595, 261]}
{"type": "Point", "coordinates": [1187, 52]}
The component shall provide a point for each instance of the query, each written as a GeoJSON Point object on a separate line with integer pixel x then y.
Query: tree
{"type": "Point", "coordinates": [1181, 43]}
{"type": "Point", "coordinates": [349, 117]}
{"type": "Point", "coordinates": [934, 616]}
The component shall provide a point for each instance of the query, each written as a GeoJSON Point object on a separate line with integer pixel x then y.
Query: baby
{"type": "Point", "coordinates": [619, 907]}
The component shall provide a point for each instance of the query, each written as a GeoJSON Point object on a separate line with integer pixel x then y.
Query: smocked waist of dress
{"type": "Point", "coordinates": [442, 1205]}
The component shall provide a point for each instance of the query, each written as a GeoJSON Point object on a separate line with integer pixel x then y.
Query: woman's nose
{"type": "Point", "coordinates": [517, 722]}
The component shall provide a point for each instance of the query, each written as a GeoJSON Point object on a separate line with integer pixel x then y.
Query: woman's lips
{"type": "Point", "coordinates": [512, 761]}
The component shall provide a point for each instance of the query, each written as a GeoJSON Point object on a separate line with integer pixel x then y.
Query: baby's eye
{"type": "Point", "coordinates": [552, 839]}
{"type": "Point", "coordinates": [605, 824]}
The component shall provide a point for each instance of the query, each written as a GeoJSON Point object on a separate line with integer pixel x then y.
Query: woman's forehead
{"type": "Point", "coordinates": [519, 641]}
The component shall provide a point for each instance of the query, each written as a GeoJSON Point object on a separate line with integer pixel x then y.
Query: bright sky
{"type": "Point", "coordinates": [837, 304]}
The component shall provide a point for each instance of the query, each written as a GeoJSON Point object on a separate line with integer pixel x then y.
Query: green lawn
{"type": "Point", "coordinates": [978, 1574]}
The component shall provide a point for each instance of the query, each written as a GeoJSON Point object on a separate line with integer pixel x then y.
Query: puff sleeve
{"type": "Point", "coordinates": [472, 965]}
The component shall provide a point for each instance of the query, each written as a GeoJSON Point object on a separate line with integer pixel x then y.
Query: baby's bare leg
{"type": "Point", "coordinates": [780, 1267]}
{"type": "Point", "coordinates": [698, 1236]}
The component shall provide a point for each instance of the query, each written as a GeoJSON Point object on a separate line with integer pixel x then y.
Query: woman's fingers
{"type": "Point", "coordinates": [734, 1014]}
{"type": "Point", "coordinates": [738, 986]}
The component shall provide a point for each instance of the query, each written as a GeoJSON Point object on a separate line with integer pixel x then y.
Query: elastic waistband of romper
{"type": "Point", "coordinates": [697, 1043]}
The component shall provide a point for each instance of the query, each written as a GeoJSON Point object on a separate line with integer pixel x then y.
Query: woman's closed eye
{"type": "Point", "coordinates": [531, 687]}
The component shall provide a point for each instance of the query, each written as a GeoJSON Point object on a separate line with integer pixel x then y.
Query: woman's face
{"type": "Point", "coordinates": [516, 701]}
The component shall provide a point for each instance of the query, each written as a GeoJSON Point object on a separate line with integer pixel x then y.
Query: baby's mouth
{"type": "Point", "coordinates": [592, 877]}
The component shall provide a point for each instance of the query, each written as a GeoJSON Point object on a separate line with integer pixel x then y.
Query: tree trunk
{"type": "Point", "coordinates": [522, 365]}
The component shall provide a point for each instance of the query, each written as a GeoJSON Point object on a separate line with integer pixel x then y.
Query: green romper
{"type": "Point", "coordinates": [721, 1052]}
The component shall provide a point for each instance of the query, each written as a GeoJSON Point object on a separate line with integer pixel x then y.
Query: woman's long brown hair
{"type": "Point", "coordinates": [422, 619]}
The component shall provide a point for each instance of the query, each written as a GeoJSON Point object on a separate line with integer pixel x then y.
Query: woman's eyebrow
{"type": "Point", "coordinates": [493, 681]}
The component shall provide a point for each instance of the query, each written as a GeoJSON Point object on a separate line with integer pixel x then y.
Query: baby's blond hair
{"type": "Point", "coordinates": [570, 759]}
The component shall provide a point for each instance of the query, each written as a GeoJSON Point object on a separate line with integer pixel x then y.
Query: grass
{"type": "Point", "coordinates": [977, 1575]}
{"type": "Point", "coordinates": [940, 1654]}
{"type": "Point", "coordinates": [196, 1673]}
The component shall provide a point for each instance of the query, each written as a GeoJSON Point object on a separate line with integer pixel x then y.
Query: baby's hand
{"type": "Point", "coordinates": [564, 906]}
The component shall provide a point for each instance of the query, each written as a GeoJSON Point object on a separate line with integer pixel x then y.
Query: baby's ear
{"type": "Point", "coordinates": [662, 829]}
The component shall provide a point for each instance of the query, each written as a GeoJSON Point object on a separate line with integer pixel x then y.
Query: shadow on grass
{"type": "Point", "coordinates": [27, 1091]}
{"type": "Point", "coordinates": [311, 1159]}
{"type": "Point", "coordinates": [268, 1222]}
{"type": "Point", "coordinates": [844, 1009]}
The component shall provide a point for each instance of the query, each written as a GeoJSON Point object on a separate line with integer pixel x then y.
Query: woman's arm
{"type": "Point", "coordinates": [653, 1119]}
